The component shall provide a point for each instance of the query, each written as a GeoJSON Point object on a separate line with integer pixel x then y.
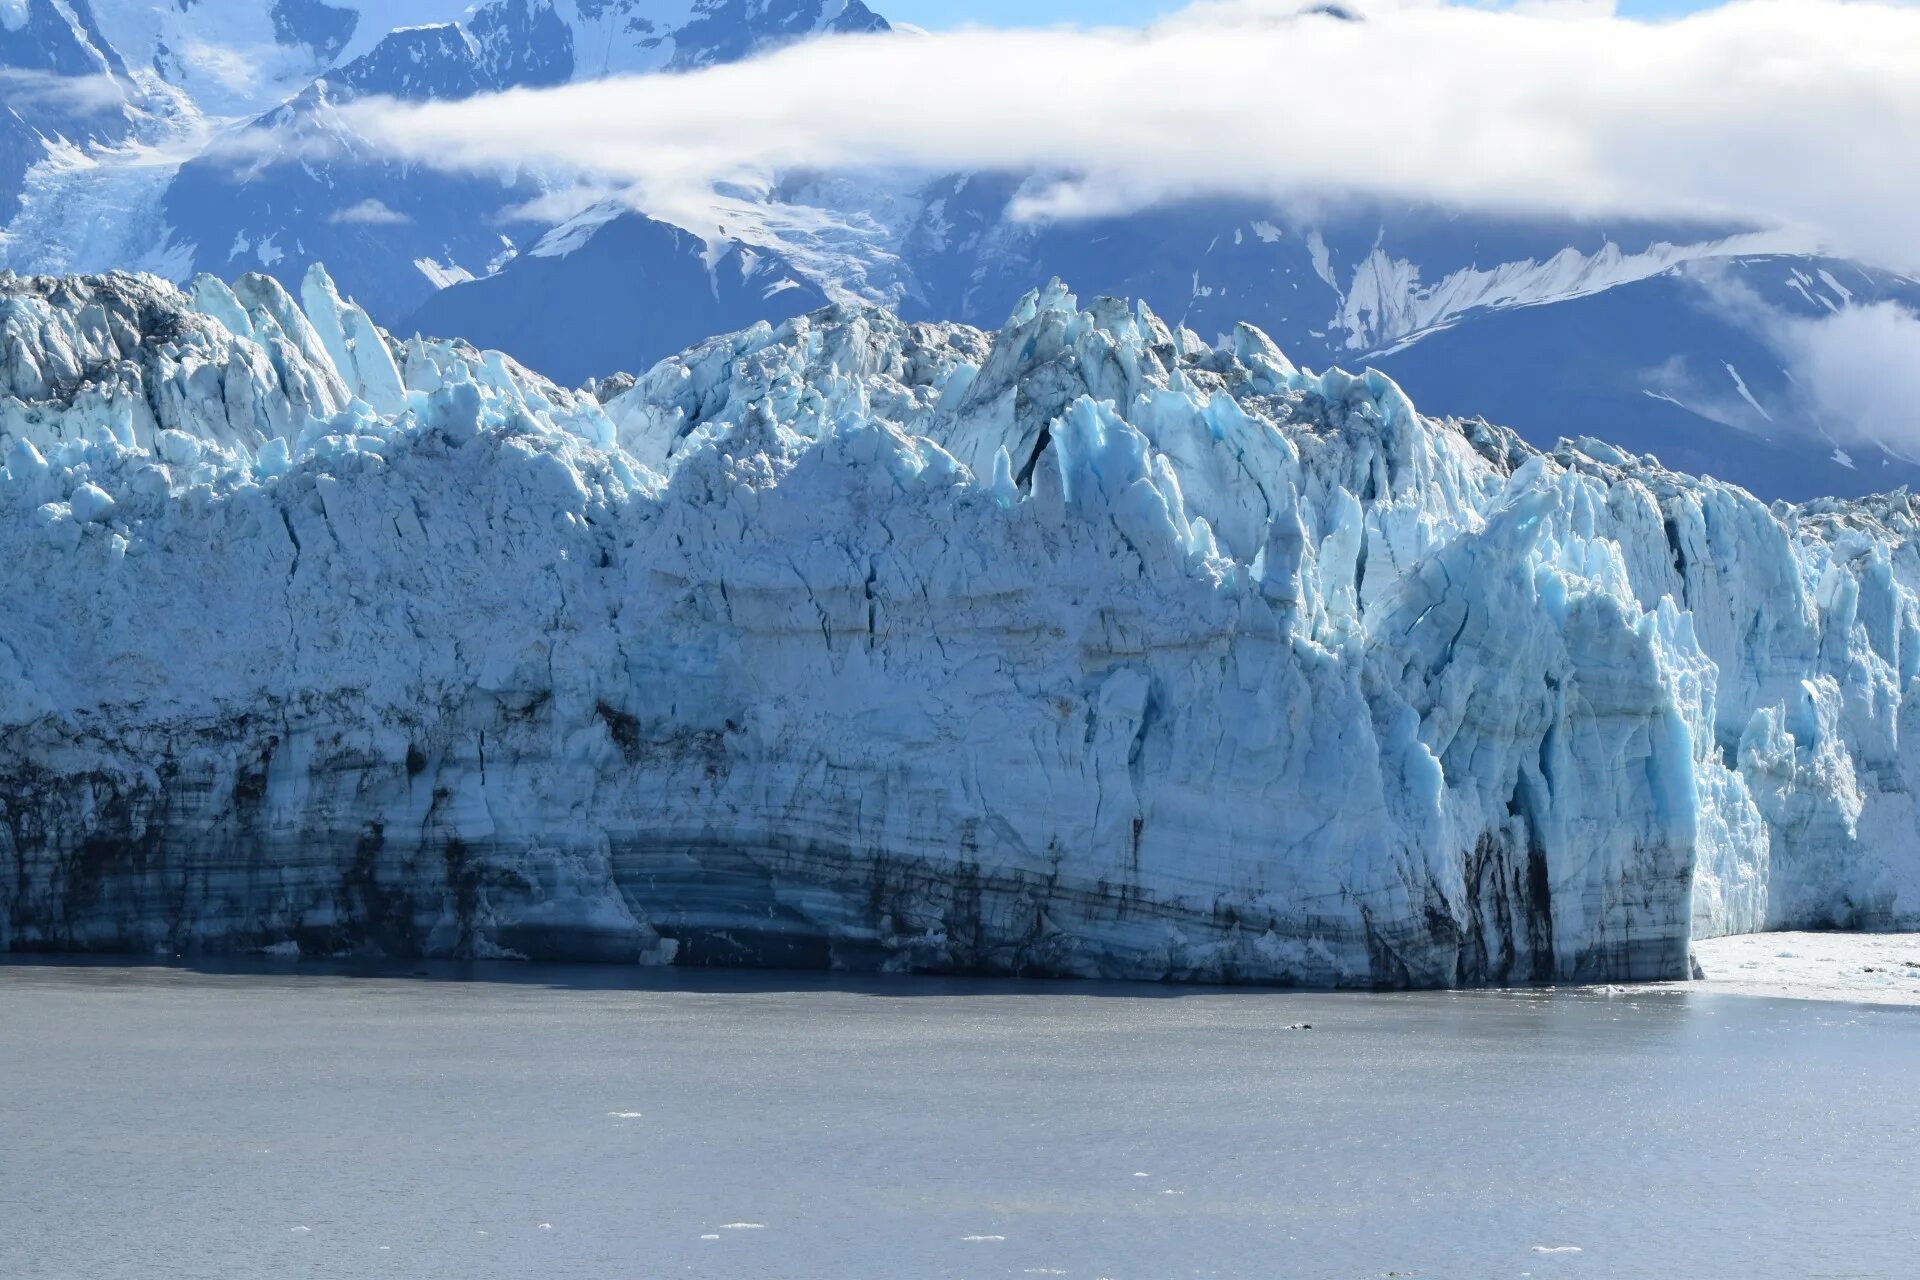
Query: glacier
{"type": "Point", "coordinates": [1084, 647]}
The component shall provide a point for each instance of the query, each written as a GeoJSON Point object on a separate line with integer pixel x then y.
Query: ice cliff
{"type": "Point", "coordinates": [1085, 647]}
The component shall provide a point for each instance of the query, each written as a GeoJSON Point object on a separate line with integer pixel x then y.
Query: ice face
{"type": "Point", "coordinates": [1083, 647]}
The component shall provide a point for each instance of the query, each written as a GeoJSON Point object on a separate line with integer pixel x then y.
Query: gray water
{"type": "Point", "coordinates": [549, 1122]}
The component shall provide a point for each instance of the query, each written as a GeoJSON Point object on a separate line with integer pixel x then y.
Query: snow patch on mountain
{"type": "Point", "coordinates": [442, 274]}
{"type": "Point", "coordinates": [1385, 305]}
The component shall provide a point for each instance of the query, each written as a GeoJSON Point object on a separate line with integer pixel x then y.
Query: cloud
{"type": "Point", "coordinates": [1860, 369]}
{"type": "Point", "coordinates": [1854, 372]}
{"type": "Point", "coordinates": [1788, 113]}
{"type": "Point", "coordinates": [369, 213]}
{"type": "Point", "coordinates": [67, 93]}
{"type": "Point", "coordinates": [563, 203]}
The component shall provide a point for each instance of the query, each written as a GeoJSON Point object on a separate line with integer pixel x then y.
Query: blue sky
{"type": "Point", "coordinates": [1007, 13]}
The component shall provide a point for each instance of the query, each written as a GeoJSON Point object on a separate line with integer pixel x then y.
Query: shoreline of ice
{"type": "Point", "coordinates": [1854, 968]}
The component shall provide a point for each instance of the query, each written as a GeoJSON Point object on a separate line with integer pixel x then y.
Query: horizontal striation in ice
{"type": "Point", "coordinates": [1087, 647]}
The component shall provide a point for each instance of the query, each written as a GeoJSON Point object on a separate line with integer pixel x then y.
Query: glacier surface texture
{"type": "Point", "coordinates": [1084, 648]}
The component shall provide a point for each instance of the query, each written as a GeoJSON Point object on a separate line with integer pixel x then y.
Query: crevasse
{"type": "Point", "coordinates": [1087, 647]}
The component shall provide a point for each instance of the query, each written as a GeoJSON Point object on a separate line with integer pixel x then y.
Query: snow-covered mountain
{"type": "Point", "coordinates": [1084, 647]}
{"type": "Point", "coordinates": [1554, 328]}
{"type": "Point", "coordinates": [229, 94]}
{"type": "Point", "coordinates": [173, 135]}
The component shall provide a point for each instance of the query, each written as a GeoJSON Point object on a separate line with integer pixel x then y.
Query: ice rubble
{"type": "Point", "coordinates": [1086, 647]}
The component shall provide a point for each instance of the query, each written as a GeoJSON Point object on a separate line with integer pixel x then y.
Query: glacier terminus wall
{"type": "Point", "coordinates": [1087, 647]}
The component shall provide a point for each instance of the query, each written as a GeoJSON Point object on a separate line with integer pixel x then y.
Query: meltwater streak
{"type": "Point", "coordinates": [334, 1123]}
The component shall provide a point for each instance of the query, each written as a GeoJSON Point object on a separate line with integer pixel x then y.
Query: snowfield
{"type": "Point", "coordinates": [1085, 647]}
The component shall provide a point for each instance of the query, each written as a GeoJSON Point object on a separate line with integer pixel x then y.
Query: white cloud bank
{"type": "Point", "coordinates": [1791, 113]}
{"type": "Point", "coordinates": [89, 93]}
{"type": "Point", "coordinates": [1860, 368]}
{"type": "Point", "coordinates": [1853, 373]}
{"type": "Point", "coordinates": [369, 213]}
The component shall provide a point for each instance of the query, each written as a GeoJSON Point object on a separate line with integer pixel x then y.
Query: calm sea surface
{"type": "Point", "coordinates": [554, 1122]}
